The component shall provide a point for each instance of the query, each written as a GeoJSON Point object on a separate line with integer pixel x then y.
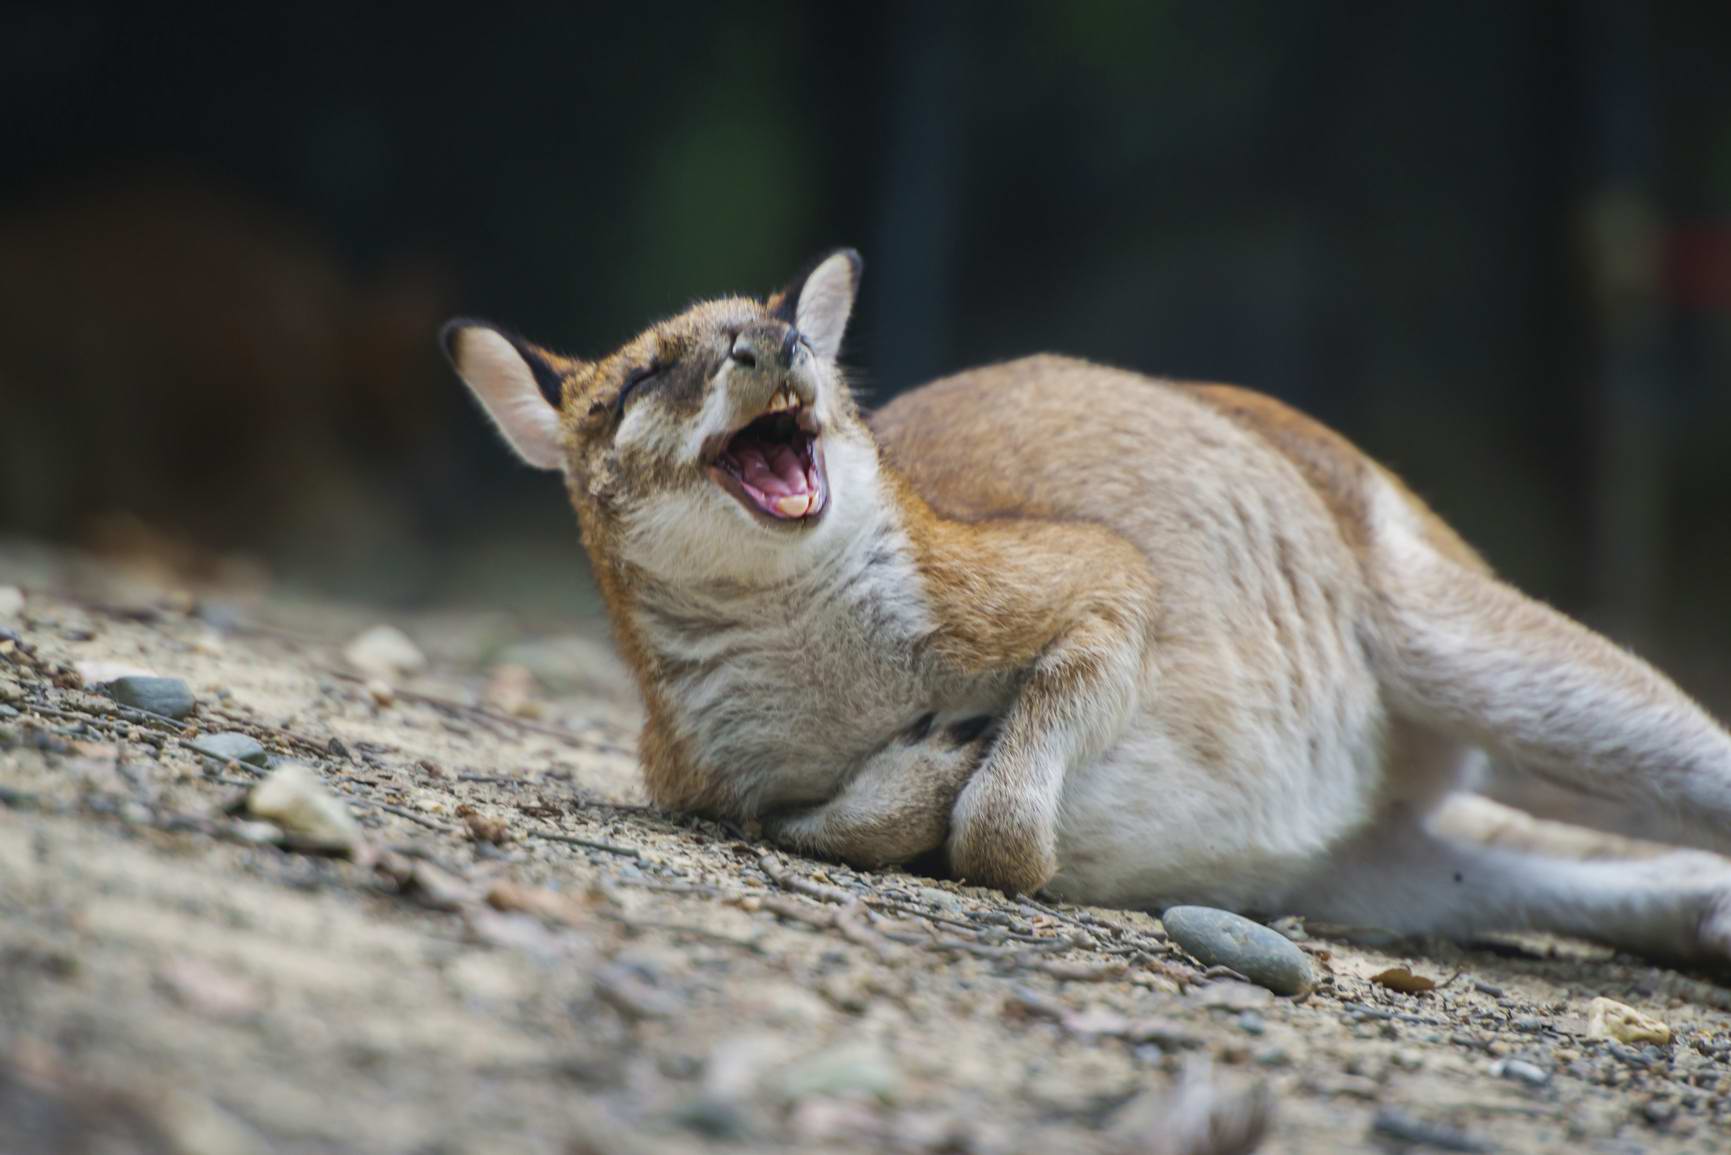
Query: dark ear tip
{"type": "Point", "coordinates": [449, 331]}
{"type": "Point", "coordinates": [448, 335]}
{"type": "Point", "coordinates": [855, 261]}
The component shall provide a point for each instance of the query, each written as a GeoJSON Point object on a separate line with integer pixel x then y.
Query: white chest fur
{"type": "Point", "coordinates": [782, 690]}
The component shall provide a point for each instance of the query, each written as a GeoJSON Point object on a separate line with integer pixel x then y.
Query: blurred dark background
{"type": "Point", "coordinates": [1491, 242]}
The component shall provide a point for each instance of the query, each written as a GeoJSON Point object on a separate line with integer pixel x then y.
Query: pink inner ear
{"type": "Point", "coordinates": [506, 386]}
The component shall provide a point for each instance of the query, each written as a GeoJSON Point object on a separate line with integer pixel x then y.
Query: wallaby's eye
{"type": "Point", "coordinates": [642, 375]}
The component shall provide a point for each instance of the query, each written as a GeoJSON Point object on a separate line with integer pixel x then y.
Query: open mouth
{"type": "Point", "coordinates": [774, 466]}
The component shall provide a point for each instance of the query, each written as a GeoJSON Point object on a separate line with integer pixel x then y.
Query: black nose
{"type": "Point", "coordinates": [764, 346]}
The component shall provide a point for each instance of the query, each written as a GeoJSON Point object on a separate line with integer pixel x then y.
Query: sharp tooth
{"type": "Point", "coordinates": [794, 505]}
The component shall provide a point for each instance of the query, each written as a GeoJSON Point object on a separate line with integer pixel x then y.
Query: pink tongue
{"type": "Point", "coordinates": [787, 467]}
{"type": "Point", "coordinates": [780, 475]}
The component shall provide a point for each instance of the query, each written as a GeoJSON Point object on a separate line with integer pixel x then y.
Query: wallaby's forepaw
{"type": "Point", "coordinates": [997, 839]}
{"type": "Point", "coordinates": [897, 807]}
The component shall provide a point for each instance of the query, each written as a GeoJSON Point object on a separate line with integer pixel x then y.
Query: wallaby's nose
{"type": "Point", "coordinates": [756, 347]}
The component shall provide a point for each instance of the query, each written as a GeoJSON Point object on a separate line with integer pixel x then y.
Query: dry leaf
{"type": "Point", "coordinates": [1402, 979]}
{"type": "Point", "coordinates": [538, 901]}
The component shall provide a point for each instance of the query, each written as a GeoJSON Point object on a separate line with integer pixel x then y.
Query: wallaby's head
{"type": "Point", "coordinates": [722, 442]}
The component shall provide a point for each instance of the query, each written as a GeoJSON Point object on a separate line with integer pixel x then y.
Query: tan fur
{"type": "Point", "coordinates": [1133, 641]}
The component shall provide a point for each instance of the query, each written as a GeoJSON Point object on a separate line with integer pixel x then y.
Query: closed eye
{"type": "Point", "coordinates": [643, 375]}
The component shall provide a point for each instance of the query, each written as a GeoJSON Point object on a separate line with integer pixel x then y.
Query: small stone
{"type": "Point", "coordinates": [11, 602]}
{"type": "Point", "coordinates": [169, 697]}
{"type": "Point", "coordinates": [384, 652]}
{"type": "Point", "coordinates": [1407, 1060]}
{"type": "Point", "coordinates": [205, 987]}
{"type": "Point", "coordinates": [941, 899]}
{"type": "Point", "coordinates": [1520, 1071]}
{"type": "Point", "coordinates": [1609, 1019]}
{"type": "Point", "coordinates": [511, 690]}
{"type": "Point", "coordinates": [1251, 1023]}
{"type": "Point", "coordinates": [336, 749]}
{"type": "Point", "coordinates": [1659, 1112]}
{"type": "Point", "coordinates": [862, 1069]}
{"type": "Point", "coordinates": [435, 888]}
{"type": "Point", "coordinates": [256, 833]}
{"type": "Point", "coordinates": [1404, 1129]}
{"type": "Point", "coordinates": [311, 816]}
{"type": "Point", "coordinates": [714, 1118]}
{"type": "Point", "coordinates": [487, 828]}
{"type": "Point", "coordinates": [1220, 938]}
{"type": "Point", "coordinates": [1272, 1056]}
{"type": "Point", "coordinates": [381, 693]}
{"type": "Point", "coordinates": [229, 746]}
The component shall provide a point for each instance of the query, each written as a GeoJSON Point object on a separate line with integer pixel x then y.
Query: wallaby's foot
{"type": "Point", "coordinates": [1000, 838]}
{"type": "Point", "coordinates": [1675, 908]}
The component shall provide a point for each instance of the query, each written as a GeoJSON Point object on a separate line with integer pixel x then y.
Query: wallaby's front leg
{"type": "Point", "coordinates": [1072, 703]}
{"type": "Point", "coordinates": [1063, 609]}
{"type": "Point", "coordinates": [897, 806]}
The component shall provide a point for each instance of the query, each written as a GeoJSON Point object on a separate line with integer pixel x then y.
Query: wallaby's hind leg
{"type": "Point", "coordinates": [1403, 876]}
{"type": "Point", "coordinates": [1464, 653]}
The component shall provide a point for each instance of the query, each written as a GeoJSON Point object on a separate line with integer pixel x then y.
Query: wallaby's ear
{"type": "Point", "coordinates": [819, 303]}
{"type": "Point", "coordinates": [519, 385]}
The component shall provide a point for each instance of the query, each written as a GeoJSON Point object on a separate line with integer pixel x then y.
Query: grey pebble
{"type": "Point", "coordinates": [1521, 1071]}
{"type": "Point", "coordinates": [1251, 1023]}
{"type": "Point", "coordinates": [1392, 1124]}
{"type": "Point", "coordinates": [714, 1118]}
{"type": "Point", "coordinates": [170, 697]}
{"type": "Point", "coordinates": [1221, 938]}
{"type": "Point", "coordinates": [1272, 1056]}
{"type": "Point", "coordinates": [226, 746]}
{"type": "Point", "coordinates": [942, 899]}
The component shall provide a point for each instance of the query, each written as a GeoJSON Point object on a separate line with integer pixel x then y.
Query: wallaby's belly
{"type": "Point", "coordinates": [1155, 821]}
{"type": "Point", "coordinates": [1259, 741]}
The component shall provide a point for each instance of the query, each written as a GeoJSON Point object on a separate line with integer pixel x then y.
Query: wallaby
{"type": "Point", "coordinates": [1127, 641]}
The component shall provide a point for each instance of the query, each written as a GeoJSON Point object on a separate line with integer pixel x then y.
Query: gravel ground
{"type": "Point", "coordinates": [514, 953]}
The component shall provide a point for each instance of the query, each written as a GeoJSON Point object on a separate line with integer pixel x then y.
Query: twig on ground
{"type": "Point", "coordinates": [1082, 972]}
{"type": "Point", "coordinates": [846, 922]}
{"type": "Point", "coordinates": [403, 812]}
{"type": "Point", "coordinates": [575, 840]}
{"type": "Point", "coordinates": [788, 880]}
{"type": "Point", "coordinates": [702, 932]}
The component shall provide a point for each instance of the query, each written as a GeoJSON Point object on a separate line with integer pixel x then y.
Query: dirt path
{"type": "Point", "coordinates": [611, 978]}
